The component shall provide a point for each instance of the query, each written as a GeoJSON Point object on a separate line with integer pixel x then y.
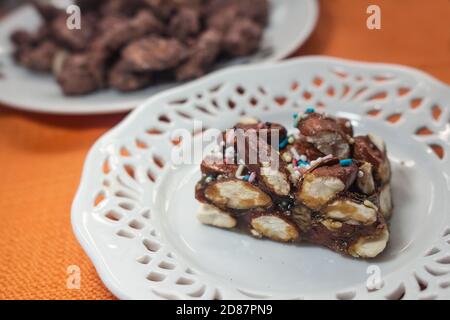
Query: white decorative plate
{"type": "Point", "coordinates": [291, 22]}
{"type": "Point", "coordinates": [134, 212]}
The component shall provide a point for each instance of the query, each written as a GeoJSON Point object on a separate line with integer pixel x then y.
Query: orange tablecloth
{"type": "Point", "coordinates": [41, 156]}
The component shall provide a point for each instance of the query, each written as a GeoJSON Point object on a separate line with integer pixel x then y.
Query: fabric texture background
{"type": "Point", "coordinates": [41, 156]}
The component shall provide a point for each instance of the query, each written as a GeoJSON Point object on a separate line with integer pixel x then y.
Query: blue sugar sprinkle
{"type": "Point", "coordinates": [346, 162]}
{"type": "Point", "coordinates": [310, 110]}
{"type": "Point", "coordinates": [245, 178]}
{"type": "Point", "coordinates": [284, 143]}
{"type": "Point", "coordinates": [301, 163]}
{"type": "Point", "coordinates": [295, 116]}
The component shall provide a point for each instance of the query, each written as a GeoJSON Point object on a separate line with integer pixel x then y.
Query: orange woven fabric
{"type": "Point", "coordinates": [41, 156]}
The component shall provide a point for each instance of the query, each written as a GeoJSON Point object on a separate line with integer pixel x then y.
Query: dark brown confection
{"type": "Point", "coordinates": [164, 9]}
{"type": "Point", "coordinates": [122, 79]}
{"type": "Point", "coordinates": [305, 148]}
{"type": "Point", "coordinates": [214, 166]}
{"type": "Point", "coordinates": [221, 20]}
{"type": "Point", "coordinates": [221, 14]}
{"type": "Point", "coordinates": [89, 5]}
{"type": "Point", "coordinates": [22, 38]}
{"type": "Point", "coordinates": [201, 56]}
{"type": "Point", "coordinates": [74, 39]}
{"type": "Point", "coordinates": [81, 73]}
{"type": "Point", "coordinates": [120, 7]}
{"type": "Point", "coordinates": [178, 39]}
{"type": "Point", "coordinates": [268, 128]}
{"type": "Point", "coordinates": [327, 134]}
{"type": "Point", "coordinates": [153, 54]}
{"type": "Point", "coordinates": [117, 31]}
{"type": "Point", "coordinates": [185, 23]}
{"type": "Point", "coordinates": [346, 174]}
{"type": "Point", "coordinates": [318, 199]}
{"type": "Point", "coordinates": [365, 149]}
{"type": "Point", "coordinates": [47, 11]}
{"type": "Point", "coordinates": [39, 58]}
{"type": "Point", "coordinates": [242, 38]}
{"type": "Point", "coordinates": [257, 10]}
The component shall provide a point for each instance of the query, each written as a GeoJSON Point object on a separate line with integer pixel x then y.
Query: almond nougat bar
{"type": "Point", "coordinates": [321, 184]}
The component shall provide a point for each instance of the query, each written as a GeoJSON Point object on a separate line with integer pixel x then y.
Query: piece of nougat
{"type": "Point", "coordinates": [321, 186]}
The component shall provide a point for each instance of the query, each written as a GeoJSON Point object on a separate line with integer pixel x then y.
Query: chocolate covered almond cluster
{"type": "Point", "coordinates": [130, 44]}
{"type": "Point", "coordinates": [319, 183]}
